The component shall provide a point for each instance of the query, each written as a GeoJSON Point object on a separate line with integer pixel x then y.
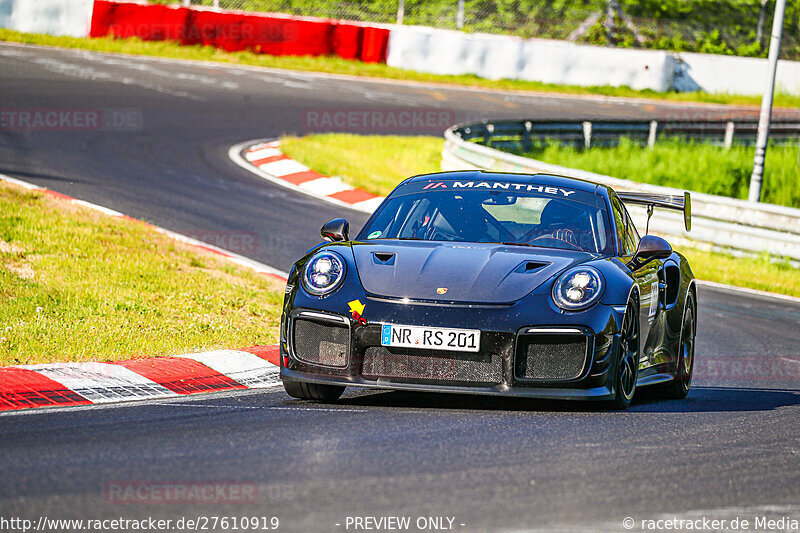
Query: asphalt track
{"type": "Point", "coordinates": [730, 450]}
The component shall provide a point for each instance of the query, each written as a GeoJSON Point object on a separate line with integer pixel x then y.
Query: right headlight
{"type": "Point", "coordinates": [323, 273]}
{"type": "Point", "coordinates": [578, 288]}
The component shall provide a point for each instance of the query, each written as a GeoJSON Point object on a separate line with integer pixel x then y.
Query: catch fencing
{"type": "Point", "coordinates": [728, 27]}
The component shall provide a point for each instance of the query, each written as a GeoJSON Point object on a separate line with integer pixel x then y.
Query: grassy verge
{"type": "Point", "coordinates": [378, 163]}
{"type": "Point", "coordinates": [696, 167]}
{"type": "Point", "coordinates": [375, 163]}
{"type": "Point", "coordinates": [78, 286]}
{"type": "Point", "coordinates": [334, 65]}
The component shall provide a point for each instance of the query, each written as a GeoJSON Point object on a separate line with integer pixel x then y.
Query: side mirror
{"type": "Point", "coordinates": [336, 230]}
{"type": "Point", "coordinates": [650, 247]}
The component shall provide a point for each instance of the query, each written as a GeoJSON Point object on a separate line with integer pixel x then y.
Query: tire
{"type": "Point", "coordinates": [627, 369]}
{"type": "Point", "coordinates": [678, 388]}
{"type": "Point", "coordinates": [313, 391]}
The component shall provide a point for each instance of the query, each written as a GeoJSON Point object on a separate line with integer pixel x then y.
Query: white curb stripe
{"type": "Point", "coordinates": [326, 186]}
{"type": "Point", "coordinates": [235, 154]}
{"type": "Point", "coordinates": [284, 167]}
{"type": "Point", "coordinates": [21, 183]}
{"type": "Point", "coordinates": [369, 205]}
{"type": "Point", "coordinates": [101, 382]}
{"type": "Point", "coordinates": [260, 146]}
{"type": "Point", "coordinates": [104, 210]}
{"type": "Point", "coordinates": [262, 153]}
{"type": "Point", "coordinates": [248, 369]}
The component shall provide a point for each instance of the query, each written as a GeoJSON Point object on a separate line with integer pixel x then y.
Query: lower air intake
{"type": "Point", "coordinates": [551, 357]}
{"type": "Point", "coordinates": [321, 344]}
{"type": "Point", "coordinates": [379, 362]}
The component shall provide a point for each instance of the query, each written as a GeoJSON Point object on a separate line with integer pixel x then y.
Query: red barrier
{"type": "Point", "coordinates": [232, 31]}
{"type": "Point", "coordinates": [148, 22]}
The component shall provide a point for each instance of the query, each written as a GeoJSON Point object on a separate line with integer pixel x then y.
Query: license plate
{"type": "Point", "coordinates": [460, 340]}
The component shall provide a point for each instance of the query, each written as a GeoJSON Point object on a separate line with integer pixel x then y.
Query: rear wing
{"type": "Point", "coordinates": [677, 203]}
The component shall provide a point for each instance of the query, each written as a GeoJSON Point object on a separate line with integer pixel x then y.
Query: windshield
{"type": "Point", "coordinates": [570, 220]}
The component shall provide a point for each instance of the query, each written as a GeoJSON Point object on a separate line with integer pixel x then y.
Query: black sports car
{"type": "Point", "coordinates": [493, 283]}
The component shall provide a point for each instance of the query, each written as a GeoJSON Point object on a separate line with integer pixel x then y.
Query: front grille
{"type": "Point", "coordinates": [321, 343]}
{"type": "Point", "coordinates": [551, 357]}
{"type": "Point", "coordinates": [379, 362]}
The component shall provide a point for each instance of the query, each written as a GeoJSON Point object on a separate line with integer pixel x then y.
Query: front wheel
{"type": "Point", "coordinates": [627, 369]}
{"type": "Point", "coordinates": [313, 391]}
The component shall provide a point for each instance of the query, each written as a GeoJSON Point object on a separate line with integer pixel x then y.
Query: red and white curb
{"type": "Point", "coordinates": [66, 384]}
{"type": "Point", "coordinates": [266, 160]}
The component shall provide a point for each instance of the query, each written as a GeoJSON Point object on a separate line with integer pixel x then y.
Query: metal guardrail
{"type": "Point", "coordinates": [718, 223]}
{"type": "Point", "coordinates": [524, 134]}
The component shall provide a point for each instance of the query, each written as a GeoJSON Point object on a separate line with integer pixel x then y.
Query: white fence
{"type": "Point", "coordinates": [718, 223]}
{"type": "Point", "coordinates": [54, 17]}
{"type": "Point", "coordinates": [559, 62]}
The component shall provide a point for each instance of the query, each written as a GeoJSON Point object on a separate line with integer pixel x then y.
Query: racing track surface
{"type": "Point", "coordinates": [731, 449]}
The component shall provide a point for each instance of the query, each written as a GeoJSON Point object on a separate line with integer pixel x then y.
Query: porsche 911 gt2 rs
{"type": "Point", "coordinates": [496, 284]}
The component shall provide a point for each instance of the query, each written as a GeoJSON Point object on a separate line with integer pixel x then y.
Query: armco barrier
{"type": "Point", "coordinates": [718, 223]}
{"type": "Point", "coordinates": [273, 33]}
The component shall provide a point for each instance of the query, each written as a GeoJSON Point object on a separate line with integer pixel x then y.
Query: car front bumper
{"type": "Point", "coordinates": [555, 356]}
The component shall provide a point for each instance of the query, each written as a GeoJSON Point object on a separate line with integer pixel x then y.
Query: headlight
{"type": "Point", "coordinates": [323, 273]}
{"type": "Point", "coordinates": [578, 288]}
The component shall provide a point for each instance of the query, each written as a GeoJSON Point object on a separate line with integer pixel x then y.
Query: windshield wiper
{"type": "Point", "coordinates": [516, 244]}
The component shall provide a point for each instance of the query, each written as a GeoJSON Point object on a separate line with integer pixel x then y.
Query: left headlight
{"type": "Point", "coordinates": [323, 273]}
{"type": "Point", "coordinates": [578, 288]}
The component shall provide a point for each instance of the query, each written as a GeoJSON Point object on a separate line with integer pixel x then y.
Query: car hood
{"type": "Point", "coordinates": [457, 272]}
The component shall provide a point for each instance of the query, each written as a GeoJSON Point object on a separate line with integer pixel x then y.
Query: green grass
{"type": "Point", "coordinates": [335, 65]}
{"type": "Point", "coordinates": [79, 286]}
{"type": "Point", "coordinates": [377, 163]}
{"type": "Point", "coordinates": [762, 273]}
{"type": "Point", "coordinates": [692, 166]}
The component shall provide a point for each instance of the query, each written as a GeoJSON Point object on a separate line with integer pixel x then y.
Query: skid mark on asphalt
{"type": "Point", "coordinates": [147, 68]}
{"type": "Point", "coordinates": [71, 69]}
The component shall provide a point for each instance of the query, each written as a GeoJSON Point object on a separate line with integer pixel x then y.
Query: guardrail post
{"type": "Point", "coordinates": [460, 15]}
{"type": "Point", "coordinates": [651, 137]}
{"type": "Point", "coordinates": [730, 127]}
{"type": "Point", "coordinates": [487, 134]}
{"type": "Point", "coordinates": [526, 137]}
{"type": "Point", "coordinates": [587, 134]}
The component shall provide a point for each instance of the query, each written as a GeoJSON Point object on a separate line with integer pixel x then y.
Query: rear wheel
{"type": "Point", "coordinates": [679, 387]}
{"type": "Point", "coordinates": [628, 358]}
{"type": "Point", "coordinates": [313, 391]}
